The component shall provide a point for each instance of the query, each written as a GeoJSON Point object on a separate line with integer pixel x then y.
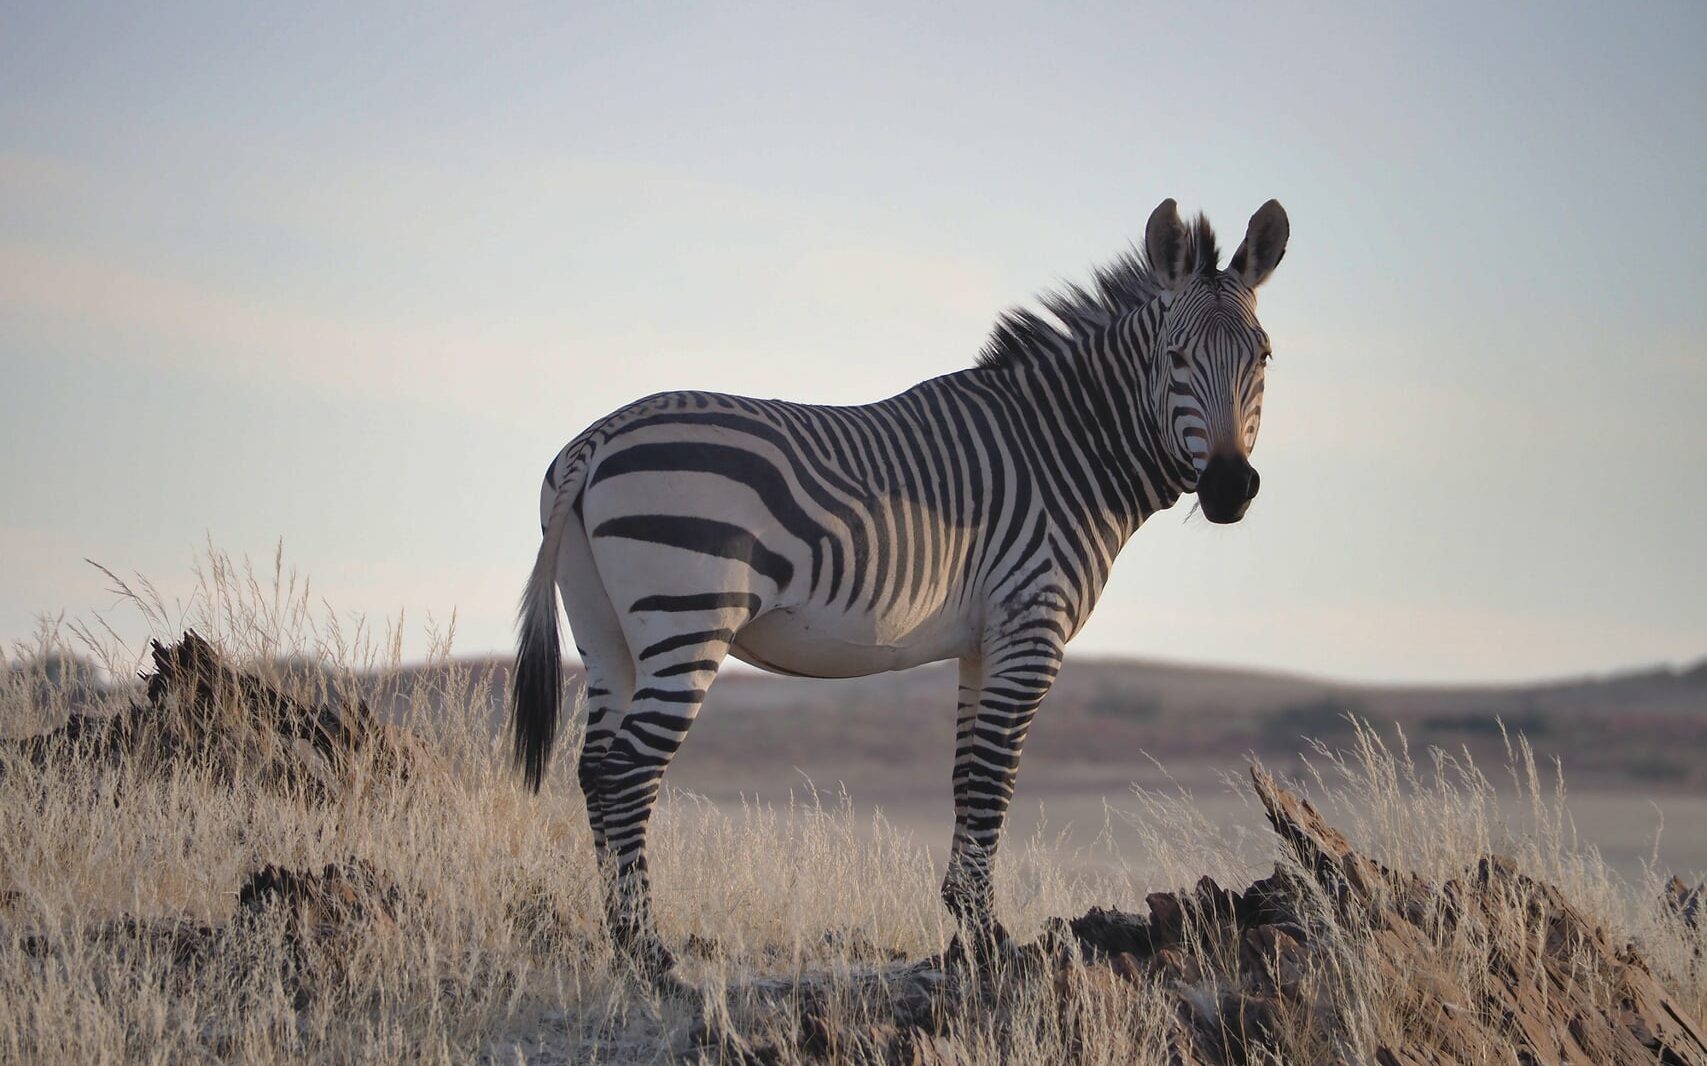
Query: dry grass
{"type": "Point", "coordinates": [493, 948]}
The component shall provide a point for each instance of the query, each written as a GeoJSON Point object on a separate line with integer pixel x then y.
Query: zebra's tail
{"type": "Point", "coordinates": [537, 684]}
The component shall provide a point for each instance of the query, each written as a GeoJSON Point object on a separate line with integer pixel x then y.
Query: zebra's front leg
{"type": "Point", "coordinates": [999, 694]}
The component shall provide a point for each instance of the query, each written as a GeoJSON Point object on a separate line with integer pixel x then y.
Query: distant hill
{"type": "Point", "coordinates": [1643, 727]}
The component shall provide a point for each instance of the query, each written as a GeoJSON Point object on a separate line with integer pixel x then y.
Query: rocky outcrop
{"type": "Point", "coordinates": [1492, 966]}
{"type": "Point", "coordinates": [197, 708]}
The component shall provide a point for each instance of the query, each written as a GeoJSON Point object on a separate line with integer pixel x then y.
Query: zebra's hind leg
{"type": "Point", "coordinates": [999, 695]}
{"type": "Point", "coordinates": [603, 648]}
{"type": "Point", "coordinates": [672, 676]}
{"type": "Point", "coordinates": [610, 684]}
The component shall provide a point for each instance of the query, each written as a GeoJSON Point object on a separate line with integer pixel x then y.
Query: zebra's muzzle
{"type": "Point", "coordinates": [1226, 488]}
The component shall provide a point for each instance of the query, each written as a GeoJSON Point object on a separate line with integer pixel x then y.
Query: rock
{"type": "Point", "coordinates": [327, 914]}
{"type": "Point", "coordinates": [197, 707]}
{"type": "Point", "coordinates": [1277, 956]}
{"type": "Point", "coordinates": [1540, 1005]}
{"type": "Point", "coordinates": [1686, 902]}
{"type": "Point", "coordinates": [338, 893]}
{"type": "Point", "coordinates": [1107, 933]}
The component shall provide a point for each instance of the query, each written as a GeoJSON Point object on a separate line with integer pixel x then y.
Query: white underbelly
{"type": "Point", "coordinates": [823, 642]}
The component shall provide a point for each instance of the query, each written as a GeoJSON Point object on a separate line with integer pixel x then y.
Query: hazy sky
{"type": "Point", "coordinates": [352, 280]}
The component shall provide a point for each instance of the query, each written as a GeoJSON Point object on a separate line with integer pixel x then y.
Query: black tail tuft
{"type": "Point", "coordinates": [537, 685]}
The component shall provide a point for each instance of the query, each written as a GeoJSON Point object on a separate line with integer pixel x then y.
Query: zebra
{"type": "Point", "coordinates": [974, 517]}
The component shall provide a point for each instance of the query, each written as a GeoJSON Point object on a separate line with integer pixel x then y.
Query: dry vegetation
{"type": "Point", "coordinates": [445, 915]}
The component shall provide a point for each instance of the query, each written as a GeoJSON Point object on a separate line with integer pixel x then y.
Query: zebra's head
{"type": "Point", "coordinates": [1210, 352]}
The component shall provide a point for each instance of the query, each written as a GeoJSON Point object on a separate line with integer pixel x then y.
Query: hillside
{"type": "Point", "coordinates": [1633, 729]}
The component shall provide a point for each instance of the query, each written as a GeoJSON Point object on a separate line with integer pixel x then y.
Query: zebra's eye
{"type": "Point", "coordinates": [1266, 356]}
{"type": "Point", "coordinates": [1177, 357]}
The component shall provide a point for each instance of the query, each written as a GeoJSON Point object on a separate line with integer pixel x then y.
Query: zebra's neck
{"type": "Point", "coordinates": [1090, 409]}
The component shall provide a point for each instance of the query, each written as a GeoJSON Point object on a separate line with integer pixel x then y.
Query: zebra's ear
{"type": "Point", "coordinates": [1165, 245]}
{"type": "Point", "coordinates": [1263, 246]}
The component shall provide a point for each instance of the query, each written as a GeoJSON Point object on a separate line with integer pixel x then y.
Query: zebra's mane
{"type": "Point", "coordinates": [1022, 336]}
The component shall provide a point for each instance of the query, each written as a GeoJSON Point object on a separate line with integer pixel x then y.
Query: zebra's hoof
{"type": "Point", "coordinates": [650, 959]}
{"type": "Point", "coordinates": [983, 948]}
{"type": "Point", "coordinates": [670, 986]}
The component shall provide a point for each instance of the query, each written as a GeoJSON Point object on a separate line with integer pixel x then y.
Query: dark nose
{"type": "Point", "coordinates": [1232, 477]}
{"type": "Point", "coordinates": [1228, 484]}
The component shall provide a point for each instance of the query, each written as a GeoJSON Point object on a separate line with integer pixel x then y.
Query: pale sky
{"type": "Point", "coordinates": [351, 280]}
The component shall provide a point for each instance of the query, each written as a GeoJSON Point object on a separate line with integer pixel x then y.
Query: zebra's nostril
{"type": "Point", "coordinates": [1252, 486]}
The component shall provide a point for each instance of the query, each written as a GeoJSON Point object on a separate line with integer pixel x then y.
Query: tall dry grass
{"type": "Point", "coordinates": [494, 949]}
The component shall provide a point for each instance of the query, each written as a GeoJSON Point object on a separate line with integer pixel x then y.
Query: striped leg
{"type": "Point", "coordinates": [966, 721]}
{"type": "Point", "coordinates": [603, 648]}
{"type": "Point", "coordinates": [610, 684]}
{"type": "Point", "coordinates": [672, 675]}
{"type": "Point", "coordinates": [999, 694]}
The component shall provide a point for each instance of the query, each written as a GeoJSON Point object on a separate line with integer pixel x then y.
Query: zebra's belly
{"type": "Point", "coordinates": [821, 642]}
